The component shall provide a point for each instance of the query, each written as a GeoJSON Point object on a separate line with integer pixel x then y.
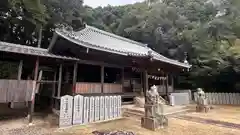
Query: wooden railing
{"type": "Point", "coordinates": [87, 88]}
{"type": "Point", "coordinates": [112, 88]}
{"type": "Point", "coordinates": [16, 90]}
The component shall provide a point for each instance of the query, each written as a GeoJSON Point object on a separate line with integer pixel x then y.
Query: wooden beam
{"type": "Point", "coordinates": [96, 63]}
{"type": "Point", "coordinates": [102, 78]}
{"type": "Point", "coordinates": [53, 41]}
{"type": "Point", "coordinates": [74, 77]}
{"type": "Point", "coordinates": [59, 80]}
{"type": "Point", "coordinates": [34, 89]}
{"type": "Point", "coordinates": [20, 66]}
{"type": "Point", "coordinates": [38, 81]}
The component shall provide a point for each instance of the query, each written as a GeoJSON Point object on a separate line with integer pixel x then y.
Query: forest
{"type": "Point", "coordinates": [207, 31]}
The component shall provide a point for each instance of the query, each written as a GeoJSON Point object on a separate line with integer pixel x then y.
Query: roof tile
{"type": "Point", "coordinates": [28, 50]}
{"type": "Point", "coordinates": [104, 41]}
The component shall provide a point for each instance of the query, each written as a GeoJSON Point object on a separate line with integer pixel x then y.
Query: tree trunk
{"type": "Point", "coordinates": [39, 37]}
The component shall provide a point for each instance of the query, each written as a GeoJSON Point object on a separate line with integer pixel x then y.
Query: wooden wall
{"type": "Point", "coordinates": [16, 90]}
{"type": "Point", "coordinates": [86, 88]}
{"type": "Point", "coordinates": [112, 88]}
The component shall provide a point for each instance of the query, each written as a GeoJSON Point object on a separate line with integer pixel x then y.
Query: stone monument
{"type": "Point", "coordinates": [154, 117]}
{"type": "Point", "coordinates": [66, 106]}
{"type": "Point", "coordinates": [202, 101]}
{"type": "Point", "coordinates": [78, 110]}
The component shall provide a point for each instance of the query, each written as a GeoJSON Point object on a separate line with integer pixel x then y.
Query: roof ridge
{"type": "Point", "coordinates": [115, 36]}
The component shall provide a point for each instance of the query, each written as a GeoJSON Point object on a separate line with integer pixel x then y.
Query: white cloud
{"type": "Point", "coordinates": [96, 3]}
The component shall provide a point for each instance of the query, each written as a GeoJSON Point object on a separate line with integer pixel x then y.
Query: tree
{"type": "Point", "coordinates": [21, 19]}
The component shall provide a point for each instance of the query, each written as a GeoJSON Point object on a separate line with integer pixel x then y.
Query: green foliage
{"type": "Point", "coordinates": [207, 30]}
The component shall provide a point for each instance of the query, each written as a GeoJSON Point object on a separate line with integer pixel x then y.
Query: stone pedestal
{"type": "Point", "coordinates": [150, 123]}
{"type": "Point", "coordinates": [202, 105]}
{"type": "Point", "coordinates": [151, 120]}
{"type": "Point", "coordinates": [150, 110]}
{"type": "Point", "coordinates": [202, 108]}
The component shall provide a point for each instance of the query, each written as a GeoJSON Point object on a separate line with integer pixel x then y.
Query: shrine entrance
{"type": "Point", "coordinates": [46, 83]}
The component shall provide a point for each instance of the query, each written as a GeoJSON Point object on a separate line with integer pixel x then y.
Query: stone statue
{"type": "Point", "coordinates": [202, 101]}
{"type": "Point", "coordinates": [152, 96]}
{"type": "Point", "coordinates": [154, 117]}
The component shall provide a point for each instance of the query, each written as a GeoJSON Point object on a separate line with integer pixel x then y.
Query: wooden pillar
{"type": "Point", "coordinates": [59, 81]}
{"type": "Point", "coordinates": [34, 89]}
{"type": "Point", "coordinates": [145, 86]}
{"type": "Point", "coordinates": [122, 80]}
{"type": "Point", "coordinates": [166, 83]}
{"type": "Point", "coordinates": [20, 66]}
{"type": "Point", "coordinates": [54, 88]}
{"type": "Point", "coordinates": [102, 78]}
{"type": "Point", "coordinates": [172, 77]}
{"type": "Point", "coordinates": [74, 78]}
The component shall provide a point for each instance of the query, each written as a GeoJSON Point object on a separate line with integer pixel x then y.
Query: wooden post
{"type": "Point", "coordinates": [33, 93]}
{"type": "Point", "coordinates": [74, 78]}
{"type": "Point", "coordinates": [20, 66]}
{"type": "Point", "coordinates": [54, 88]}
{"type": "Point", "coordinates": [166, 84]}
{"type": "Point", "coordinates": [172, 77]}
{"type": "Point", "coordinates": [102, 78]}
{"type": "Point", "coordinates": [141, 79]}
{"type": "Point", "coordinates": [122, 78]}
{"type": "Point", "coordinates": [59, 80]}
{"type": "Point", "coordinates": [145, 78]}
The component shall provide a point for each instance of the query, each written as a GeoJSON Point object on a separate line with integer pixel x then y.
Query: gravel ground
{"type": "Point", "coordinates": [20, 127]}
{"type": "Point", "coordinates": [221, 113]}
{"type": "Point", "coordinates": [176, 126]}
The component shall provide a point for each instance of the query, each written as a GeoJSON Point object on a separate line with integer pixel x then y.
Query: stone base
{"type": "Point", "coordinates": [202, 108]}
{"type": "Point", "coordinates": [149, 123]}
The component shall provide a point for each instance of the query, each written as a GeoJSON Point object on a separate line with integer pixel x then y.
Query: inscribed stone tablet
{"type": "Point", "coordinates": [224, 99]}
{"type": "Point", "coordinates": [78, 110]}
{"type": "Point", "coordinates": [220, 98]}
{"type": "Point", "coordinates": [111, 109]}
{"type": "Point", "coordinates": [210, 98]}
{"type": "Point", "coordinates": [238, 98]}
{"type": "Point", "coordinates": [231, 98]}
{"type": "Point", "coordinates": [66, 108]}
{"type": "Point", "coordinates": [119, 102]}
{"type": "Point", "coordinates": [234, 99]}
{"type": "Point", "coordinates": [86, 110]}
{"type": "Point", "coordinates": [106, 108]}
{"type": "Point", "coordinates": [97, 107]}
{"type": "Point", "coordinates": [91, 114]}
{"type": "Point", "coordinates": [227, 99]}
{"type": "Point", "coordinates": [115, 106]}
{"type": "Point", "coordinates": [101, 108]}
{"type": "Point", "coordinates": [215, 98]}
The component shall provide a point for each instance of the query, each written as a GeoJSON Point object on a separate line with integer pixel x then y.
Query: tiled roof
{"type": "Point", "coordinates": [28, 50]}
{"type": "Point", "coordinates": [94, 38]}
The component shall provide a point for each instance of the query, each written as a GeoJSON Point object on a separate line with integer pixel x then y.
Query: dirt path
{"type": "Point", "coordinates": [210, 121]}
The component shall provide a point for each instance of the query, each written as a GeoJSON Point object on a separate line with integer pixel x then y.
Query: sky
{"type": "Point", "coordinates": [96, 3]}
